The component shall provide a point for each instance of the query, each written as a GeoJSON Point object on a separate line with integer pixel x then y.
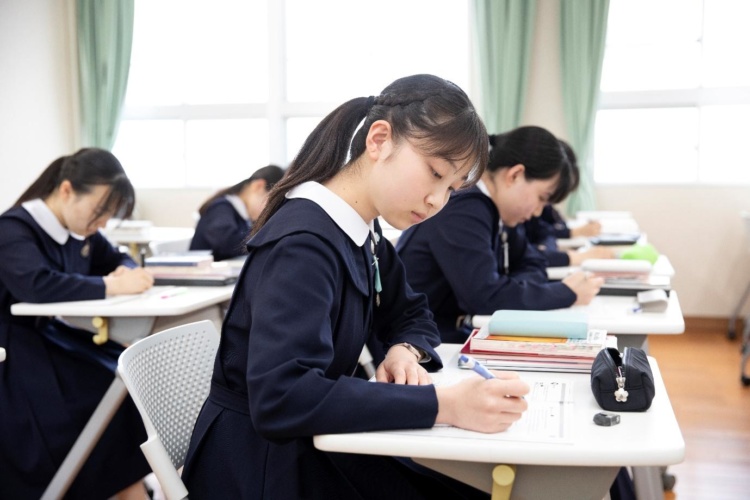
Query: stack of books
{"type": "Point", "coordinates": [554, 341]}
{"type": "Point", "coordinates": [626, 277]}
{"type": "Point", "coordinates": [191, 269]}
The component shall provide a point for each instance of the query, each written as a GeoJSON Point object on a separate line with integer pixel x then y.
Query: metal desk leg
{"type": "Point", "coordinates": [648, 483]}
{"type": "Point", "coordinates": [86, 441]}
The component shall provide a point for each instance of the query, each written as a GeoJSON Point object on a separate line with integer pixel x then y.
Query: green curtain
{"type": "Point", "coordinates": [105, 38]}
{"type": "Point", "coordinates": [583, 33]}
{"type": "Point", "coordinates": [504, 29]}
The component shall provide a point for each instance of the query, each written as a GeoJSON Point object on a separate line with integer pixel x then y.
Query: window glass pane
{"type": "Point", "coordinates": [151, 152]}
{"type": "Point", "coordinates": [639, 22]}
{"type": "Point", "coordinates": [223, 152]}
{"type": "Point", "coordinates": [646, 146]}
{"type": "Point", "coordinates": [225, 61]}
{"type": "Point", "coordinates": [651, 67]}
{"type": "Point", "coordinates": [297, 130]}
{"type": "Point", "coordinates": [726, 40]}
{"type": "Point", "coordinates": [724, 156]}
{"type": "Point", "coordinates": [334, 59]}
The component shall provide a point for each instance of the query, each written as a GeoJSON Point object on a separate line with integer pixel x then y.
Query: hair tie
{"type": "Point", "coordinates": [370, 103]}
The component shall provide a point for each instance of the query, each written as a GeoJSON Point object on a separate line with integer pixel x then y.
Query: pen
{"type": "Point", "coordinates": [172, 293]}
{"type": "Point", "coordinates": [476, 366]}
{"type": "Point", "coordinates": [143, 257]}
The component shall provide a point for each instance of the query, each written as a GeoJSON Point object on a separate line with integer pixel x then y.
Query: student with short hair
{"type": "Point", "coordinates": [227, 217]}
{"type": "Point", "coordinates": [319, 282]}
{"type": "Point", "coordinates": [55, 375]}
{"type": "Point", "coordinates": [469, 259]}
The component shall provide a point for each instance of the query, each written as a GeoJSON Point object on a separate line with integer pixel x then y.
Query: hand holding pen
{"type": "Point", "coordinates": [487, 404]}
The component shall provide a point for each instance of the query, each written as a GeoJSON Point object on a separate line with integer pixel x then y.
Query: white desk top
{"type": "Point", "coordinates": [145, 235]}
{"type": "Point", "coordinates": [615, 314]}
{"type": "Point", "coordinates": [662, 267]}
{"type": "Point", "coordinates": [650, 438]}
{"type": "Point", "coordinates": [154, 302]}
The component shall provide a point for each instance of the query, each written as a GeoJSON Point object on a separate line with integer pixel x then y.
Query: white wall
{"type": "Point", "coordinates": [36, 89]}
{"type": "Point", "coordinates": [697, 227]}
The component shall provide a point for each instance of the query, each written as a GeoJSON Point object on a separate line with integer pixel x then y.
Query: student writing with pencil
{"type": "Point", "coordinates": [55, 375]}
{"type": "Point", "coordinates": [469, 259]}
{"type": "Point", "coordinates": [318, 283]}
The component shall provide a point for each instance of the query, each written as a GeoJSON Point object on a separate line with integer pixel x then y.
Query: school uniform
{"type": "Point", "coordinates": [457, 258]}
{"type": "Point", "coordinates": [543, 232]}
{"type": "Point", "coordinates": [303, 308]}
{"type": "Point", "coordinates": [223, 228]}
{"type": "Point", "coordinates": [55, 375]}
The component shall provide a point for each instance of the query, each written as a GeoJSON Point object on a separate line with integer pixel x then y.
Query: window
{"type": "Point", "coordinates": [218, 89]}
{"type": "Point", "coordinates": [675, 103]}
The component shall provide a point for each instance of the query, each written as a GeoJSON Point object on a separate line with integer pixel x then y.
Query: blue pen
{"type": "Point", "coordinates": [476, 366]}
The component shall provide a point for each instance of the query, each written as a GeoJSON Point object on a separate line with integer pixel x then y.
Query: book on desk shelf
{"type": "Point", "coordinates": [213, 274]}
{"type": "Point", "coordinates": [538, 354]}
{"type": "Point", "coordinates": [199, 258]}
{"type": "Point", "coordinates": [632, 286]}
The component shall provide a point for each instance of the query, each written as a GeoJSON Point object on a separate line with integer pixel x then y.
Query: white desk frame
{"type": "Point", "coordinates": [582, 470]}
{"type": "Point", "coordinates": [127, 319]}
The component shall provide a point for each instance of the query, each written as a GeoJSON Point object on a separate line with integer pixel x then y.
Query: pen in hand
{"type": "Point", "coordinates": [476, 366]}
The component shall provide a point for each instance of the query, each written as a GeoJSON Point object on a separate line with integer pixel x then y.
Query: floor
{"type": "Point", "coordinates": [701, 370]}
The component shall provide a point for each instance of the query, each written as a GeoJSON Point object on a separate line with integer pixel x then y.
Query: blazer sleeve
{"type": "Point", "coordinates": [31, 274]}
{"type": "Point", "coordinates": [462, 244]}
{"type": "Point", "coordinates": [291, 345]}
{"type": "Point", "coordinates": [403, 314]}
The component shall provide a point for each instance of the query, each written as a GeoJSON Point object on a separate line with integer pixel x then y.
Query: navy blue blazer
{"type": "Point", "coordinates": [456, 259]}
{"type": "Point", "coordinates": [55, 376]}
{"type": "Point", "coordinates": [543, 232]}
{"type": "Point", "coordinates": [222, 230]}
{"type": "Point", "coordinates": [300, 314]}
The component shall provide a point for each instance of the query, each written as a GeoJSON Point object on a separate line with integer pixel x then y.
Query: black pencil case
{"type": "Point", "coordinates": [622, 382]}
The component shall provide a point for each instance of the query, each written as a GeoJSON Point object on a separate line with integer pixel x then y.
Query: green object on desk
{"type": "Point", "coordinates": [641, 252]}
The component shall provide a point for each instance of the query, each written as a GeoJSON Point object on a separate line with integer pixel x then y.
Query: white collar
{"type": "Point", "coordinates": [337, 209]}
{"type": "Point", "coordinates": [483, 187]}
{"type": "Point", "coordinates": [238, 205]}
{"type": "Point", "coordinates": [43, 216]}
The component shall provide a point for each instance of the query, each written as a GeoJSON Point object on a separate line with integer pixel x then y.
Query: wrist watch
{"type": "Point", "coordinates": [419, 354]}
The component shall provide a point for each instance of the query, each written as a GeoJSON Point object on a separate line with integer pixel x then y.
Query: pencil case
{"type": "Point", "coordinates": [622, 382]}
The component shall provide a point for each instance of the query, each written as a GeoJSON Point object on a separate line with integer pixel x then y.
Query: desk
{"type": "Point", "coordinates": [128, 318]}
{"type": "Point", "coordinates": [124, 319]}
{"type": "Point", "coordinates": [581, 469]}
{"type": "Point", "coordinates": [662, 267]}
{"type": "Point", "coordinates": [139, 238]}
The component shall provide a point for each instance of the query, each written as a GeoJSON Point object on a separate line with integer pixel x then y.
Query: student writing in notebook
{"type": "Point", "coordinates": [227, 216]}
{"type": "Point", "coordinates": [469, 259]}
{"type": "Point", "coordinates": [543, 230]}
{"type": "Point", "coordinates": [318, 283]}
{"type": "Point", "coordinates": [55, 375]}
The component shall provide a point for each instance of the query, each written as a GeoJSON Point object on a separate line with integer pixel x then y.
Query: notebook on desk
{"type": "Point", "coordinates": [210, 280]}
{"type": "Point", "coordinates": [632, 286]}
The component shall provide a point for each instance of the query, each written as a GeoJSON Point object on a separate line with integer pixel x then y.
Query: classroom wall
{"type": "Point", "coordinates": [698, 227]}
{"type": "Point", "coordinates": [36, 91]}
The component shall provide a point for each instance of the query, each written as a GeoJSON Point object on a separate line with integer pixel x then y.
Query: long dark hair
{"type": "Point", "coordinates": [85, 169]}
{"type": "Point", "coordinates": [570, 176]}
{"type": "Point", "coordinates": [271, 174]}
{"type": "Point", "coordinates": [535, 148]}
{"type": "Point", "coordinates": [433, 112]}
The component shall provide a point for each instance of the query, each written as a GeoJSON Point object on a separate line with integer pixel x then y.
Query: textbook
{"type": "Point", "coordinates": [617, 267]}
{"type": "Point", "coordinates": [633, 285]}
{"type": "Point", "coordinates": [539, 356]}
{"type": "Point", "coordinates": [559, 323]}
{"type": "Point", "coordinates": [539, 346]}
{"type": "Point", "coordinates": [213, 274]}
{"type": "Point", "coordinates": [187, 259]}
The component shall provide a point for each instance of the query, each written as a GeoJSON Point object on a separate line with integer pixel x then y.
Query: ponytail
{"type": "Point", "coordinates": [432, 112]}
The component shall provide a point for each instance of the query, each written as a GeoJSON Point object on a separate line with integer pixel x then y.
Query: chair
{"type": "Point", "coordinates": [731, 332]}
{"type": "Point", "coordinates": [168, 375]}
{"type": "Point", "coordinates": [171, 246]}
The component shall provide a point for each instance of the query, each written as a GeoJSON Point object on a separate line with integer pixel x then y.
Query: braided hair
{"type": "Point", "coordinates": [433, 113]}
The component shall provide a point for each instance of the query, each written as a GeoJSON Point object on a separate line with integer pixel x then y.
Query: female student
{"type": "Point", "coordinates": [226, 217]}
{"type": "Point", "coordinates": [543, 230]}
{"type": "Point", "coordinates": [319, 281]}
{"type": "Point", "coordinates": [469, 259]}
{"type": "Point", "coordinates": [55, 375]}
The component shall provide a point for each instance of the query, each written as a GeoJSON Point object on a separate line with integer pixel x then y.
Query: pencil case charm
{"type": "Point", "coordinates": [622, 382]}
